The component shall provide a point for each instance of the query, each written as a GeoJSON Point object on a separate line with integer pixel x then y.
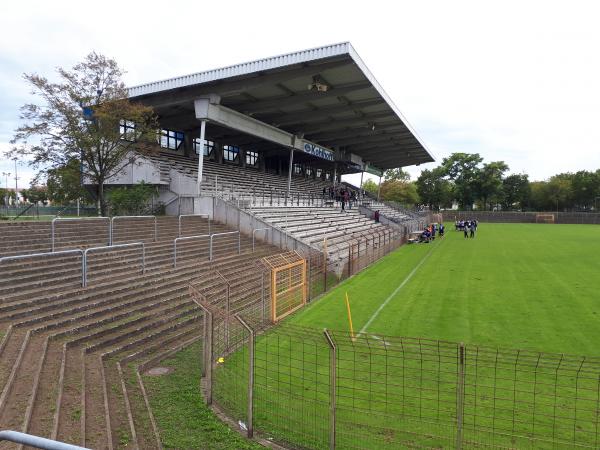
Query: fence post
{"type": "Point", "coordinates": [209, 358]}
{"type": "Point", "coordinates": [325, 265]}
{"type": "Point", "coordinates": [332, 387]}
{"type": "Point", "coordinates": [251, 341]}
{"type": "Point", "coordinates": [460, 396]}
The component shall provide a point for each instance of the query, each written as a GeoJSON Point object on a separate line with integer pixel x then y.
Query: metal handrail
{"type": "Point", "coordinates": [192, 215]}
{"type": "Point", "coordinates": [183, 239]}
{"type": "Point", "coordinates": [110, 247]}
{"type": "Point", "coordinates": [35, 255]}
{"type": "Point", "coordinates": [36, 441]}
{"type": "Point", "coordinates": [254, 232]}
{"type": "Point", "coordinates": [210, 252]}
{"type": "Point", "coordinates": [53, 226]}
{"type": "Point", "coordinates": [112, 222]}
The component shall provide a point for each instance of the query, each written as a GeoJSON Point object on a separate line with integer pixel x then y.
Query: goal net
{"type": "Point", "coordinates": [544, 218]}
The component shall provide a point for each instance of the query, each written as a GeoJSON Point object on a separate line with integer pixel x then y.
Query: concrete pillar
{"type": "Point", "coordinates": [290, 170]}
{"type": "Point", "coordinates": [201, 155]}
{"type": "Point", "coordinates": [188, 143]}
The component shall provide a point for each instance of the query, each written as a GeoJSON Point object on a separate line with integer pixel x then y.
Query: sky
{"type": "Point", "coordinates": [516, 81]}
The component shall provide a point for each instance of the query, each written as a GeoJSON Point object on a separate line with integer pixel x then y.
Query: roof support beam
{"type": "Point", "coordinates": [227, 88]}
{"type": "Point", "coordinates": [274, 104]}
{"type": "Point", "coordinates": [315, 114]}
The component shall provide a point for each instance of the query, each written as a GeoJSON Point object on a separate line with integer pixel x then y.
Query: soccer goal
{"type": "Point", "coordinates": [544, 218]}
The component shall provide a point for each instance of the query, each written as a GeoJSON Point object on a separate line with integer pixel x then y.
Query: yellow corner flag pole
{"type": "Point", "coordinates": [349, 316]}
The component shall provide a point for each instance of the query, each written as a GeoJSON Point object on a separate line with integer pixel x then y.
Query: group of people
{"type": "Point", "coordinates": [430, 231]}
{"type": "Point", "coordinates": [469, 227]}
{"type": "Point", "coordinates": [341, 194]}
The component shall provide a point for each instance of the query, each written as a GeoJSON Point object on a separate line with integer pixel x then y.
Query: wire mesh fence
{"type": "Point", "coordinates": [308, 388]}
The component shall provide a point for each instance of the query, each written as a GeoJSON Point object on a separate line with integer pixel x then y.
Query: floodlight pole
{"type": "Point", "coordinates": [16, 189]}
{"type": "Point", "coordinates": [201, 154]}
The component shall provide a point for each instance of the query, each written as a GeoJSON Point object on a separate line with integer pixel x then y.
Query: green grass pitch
{"type": "Point", "coordinates": [514, 286]}
{"type": "Point", "coordinates": [528, 286]}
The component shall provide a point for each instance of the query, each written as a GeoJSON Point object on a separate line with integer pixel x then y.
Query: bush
{"type": "Point", "coordinates": [131, 200]}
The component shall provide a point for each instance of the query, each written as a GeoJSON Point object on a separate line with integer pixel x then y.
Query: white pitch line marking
{"type": "Point", "coordinates": [387, 300]}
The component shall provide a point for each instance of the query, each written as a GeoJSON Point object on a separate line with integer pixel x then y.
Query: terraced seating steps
{"type": "Point", "coordinates": [72, 357]}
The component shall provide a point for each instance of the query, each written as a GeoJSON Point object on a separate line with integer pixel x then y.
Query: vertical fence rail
{"type": "Point", "coordinates": [332, 389]}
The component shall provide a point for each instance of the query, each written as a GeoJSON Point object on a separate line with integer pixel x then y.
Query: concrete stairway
{"type": "Point", "coordinates": [313, 225]}
{"type": "Point", "coordinates": [72, 356]}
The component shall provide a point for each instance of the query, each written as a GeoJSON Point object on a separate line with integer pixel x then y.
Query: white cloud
{"type": "Point", "coordinates": [512, 80]}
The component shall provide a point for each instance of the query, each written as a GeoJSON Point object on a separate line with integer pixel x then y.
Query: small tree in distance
{"type": "Point", "coordinates": [80, 118]}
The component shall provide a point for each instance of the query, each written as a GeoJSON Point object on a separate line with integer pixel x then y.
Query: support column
{"type": "Point", "coordinates": [334, 174]}
{"type": "Point", "coordinates": [291, 166]}
{"type": "Point", "coordinates": [188, 143]}
{"type": "Point", "coordinates": [201, 155]}
{"type": "Point", "coordinates": [362, 174]}
{"type": "Point", "coordinates": [379, 188]}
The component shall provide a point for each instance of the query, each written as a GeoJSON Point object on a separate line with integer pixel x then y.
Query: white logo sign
{"type": "Point", "coordinates": [318, 151]}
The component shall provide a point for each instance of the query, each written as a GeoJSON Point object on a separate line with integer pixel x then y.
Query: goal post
{"type": "Point", "coordinates": [544, 218]}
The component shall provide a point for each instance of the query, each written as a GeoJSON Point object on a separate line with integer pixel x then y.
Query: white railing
{"type": "Point", "coordinates": [109, 248]}
{"type": "Point", "coordinates": [36, 441]}
{"type": "Point", "coordinates": [212, 236]}
{"type": "Point", "coordinates": [254, 234]}
{"type": "Point", "coordinates": [56, 219]}
{"type": "Point", "coordinates": [185, 238]}
{"type": "Point", "coordinates": [192, 215]}
{"type": "Point", "coordinates": [42, 255]}
{"type": "Point", "coordinates": [112, 223]}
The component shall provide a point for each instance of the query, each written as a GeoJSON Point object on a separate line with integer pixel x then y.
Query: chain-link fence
{"type": "Point", "coordinates": [521, 217]}
{"type": "Point", "coordinates": [308, 388]}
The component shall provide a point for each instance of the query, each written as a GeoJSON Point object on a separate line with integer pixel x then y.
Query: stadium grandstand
{"type": "Point", "coordinates": [277, 131]}
{"type": "Point", "coordinates": [88, 304]}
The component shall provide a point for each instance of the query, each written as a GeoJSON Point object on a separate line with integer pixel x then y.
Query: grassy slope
{"type": "Point", "coordinates": [514, 285]}
{"type": "Point", "coordinates": [183, 419]}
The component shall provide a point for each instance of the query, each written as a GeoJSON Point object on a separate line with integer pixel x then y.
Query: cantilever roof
{"type": "Point", "coordinates": [354, 115]}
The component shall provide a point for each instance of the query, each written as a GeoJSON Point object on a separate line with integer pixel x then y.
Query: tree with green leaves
{"type": "Point", "coordinates": [64, 184]}
{"type": "Point", "coordinates": [463, 170]}
{"type": "Point", "coordinates": [400, 191]}
{"type": "Point", "coordinates": [370, 186]}
{"type": "Point", "coordinates": [489, 183]}
{"type": "Point", "coordinates": [559, 191]}
{"type": "Point", "coordinates": [35, 194]}
{"type": "Point", "coordinates": [433, 189]}
{"type": "Point", "coordinates": [6, 196]}
{"type": "Point", "coordinates": [515, 191]}
{"type": "Point", "coordinates": [396, 175]}
{"type": "Point", "coordinates": [83, 117]}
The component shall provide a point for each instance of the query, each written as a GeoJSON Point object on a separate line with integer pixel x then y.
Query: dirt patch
{"type": "Point", "coordinates": [157, 371]}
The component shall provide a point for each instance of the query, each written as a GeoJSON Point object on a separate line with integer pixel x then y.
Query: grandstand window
{"type": "Point", "coordinates": [127, 130]}
{"type": "Point", "coordinates": [230, 152]}
{"type": "Point", "coordinates": [251, 158]}
{"type": "Point", "coordinates": [309, 171]}
{"type": "Point", "coordinates": [297, 169]}
{"type": "Point", "coordinates": [319, 173]}
{"type": "Point", "coordinates": [327, 176]}
{"type": "Point", "coordinates": [171, 139]}
{"type": "Point", "coordinates": [209, 146]}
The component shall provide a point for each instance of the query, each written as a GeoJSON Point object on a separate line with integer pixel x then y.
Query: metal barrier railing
{"type": "Point", "coordinates": [254, 233]}
{"type": "Point", "coordinates": [210, 251]}
{"type": "Point", "coordinates": [185, 238]}
{"type": "Point", "coordinates": [110, 248]}
{"type": "Point", "coordinates": [53, 226]}
{"type": "Point", "coordinates": [112, 223]}
{"type": "Point", "coordinates": [36, 441]}
{"type": "Point", "coordinates": [36, 255]}
{"type": "Point", "coordinates": [192, 215]}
